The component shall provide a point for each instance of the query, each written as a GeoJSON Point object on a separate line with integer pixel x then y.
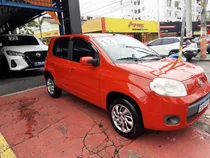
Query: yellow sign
{"type": "Point", "coordinates": [126, 25]}
{"type": "Point", "coordinates": [92, 26]}
{"type": "Point", "coordinates": [48, 34]}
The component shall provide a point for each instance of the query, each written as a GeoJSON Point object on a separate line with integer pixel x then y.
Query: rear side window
{"type": "Point", "coordinates": [60, 48]}
{"type": "Point", "coordinates": [166, 41]}
{"type": "Point", "coordinates": [155, 43]}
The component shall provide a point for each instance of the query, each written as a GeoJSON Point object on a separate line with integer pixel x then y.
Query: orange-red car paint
{"type": "Point", "coordinates": [93, 84]}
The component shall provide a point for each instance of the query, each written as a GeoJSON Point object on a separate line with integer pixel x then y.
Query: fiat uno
{"type": "Point", "coordinates": [138, 88]}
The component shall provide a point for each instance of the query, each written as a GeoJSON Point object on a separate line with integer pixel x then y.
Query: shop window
{"type": "Point", "coordinates": [168, 3]}
{"type": "Point", "coordinates": [169, 13]}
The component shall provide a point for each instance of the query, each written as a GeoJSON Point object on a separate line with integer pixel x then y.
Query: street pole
{"type": "Point", "coordinates": [182, 29]}
{"type": "Point", "coordinates": [203, 29]}
{"type": "Point", "coordinates": [189, 19]}
{"type": "Point", "coordinates": [40, 28]}
{"type": "Point", "coordinates": [158, 17]}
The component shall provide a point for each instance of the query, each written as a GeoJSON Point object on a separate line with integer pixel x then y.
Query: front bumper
{"type": "Point", "coordinates": [185, 108]}
{"type": "Point", "coordinates": [19, 63]}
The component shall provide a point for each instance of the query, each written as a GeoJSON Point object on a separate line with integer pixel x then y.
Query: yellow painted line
{"type": "Point", "coordinates": [5, 151]}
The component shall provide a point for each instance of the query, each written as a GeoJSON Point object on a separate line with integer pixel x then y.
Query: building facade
{"type": "Point", "coordinates": [157, 10]}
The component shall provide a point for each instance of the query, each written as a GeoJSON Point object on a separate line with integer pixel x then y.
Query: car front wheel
{"type": "Point", "coordinates": [125, 118]}
{"type": "Point", "coordinates": [52, 89]}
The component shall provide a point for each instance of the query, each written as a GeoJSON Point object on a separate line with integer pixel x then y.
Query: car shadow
{"type": "Point", "coordinates": [150, 136]}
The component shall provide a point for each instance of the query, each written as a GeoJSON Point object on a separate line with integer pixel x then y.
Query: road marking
{"type": "Point", "coordinates": [21, 92]}
{"type": "Point", "coordinates": [5, 150]}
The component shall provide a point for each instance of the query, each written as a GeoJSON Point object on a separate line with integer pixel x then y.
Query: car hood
{"type": "Point", "coordinates": [23, 49]}
{"type": "Point", "coordinates": [167, 68]}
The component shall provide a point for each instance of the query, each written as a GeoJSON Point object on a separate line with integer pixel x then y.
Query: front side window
{"type": "Point", "coordinates": [82, 48]}
{"type": "Point", "coordinates": [60, 48]}
{"type": "Point", "coordinates": [122, 48]}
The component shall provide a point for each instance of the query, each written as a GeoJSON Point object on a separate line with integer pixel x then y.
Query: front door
{"type": "Point", "coordinates": [84, 80]}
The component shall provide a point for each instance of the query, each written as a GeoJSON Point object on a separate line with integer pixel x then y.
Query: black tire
{"type": "Point", "coordinates": [189, 58]}
{"type": "Point", "coordinates": [57, 91]}
{"type": "Point", "coordinates": [137, 128]}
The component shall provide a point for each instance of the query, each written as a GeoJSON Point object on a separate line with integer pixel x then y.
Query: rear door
{"type": "Point", "coordinates": [60, 63]}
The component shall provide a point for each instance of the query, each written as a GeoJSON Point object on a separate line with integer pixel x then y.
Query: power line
{"type": "Point", "coordinates": [114, 10]}
{"type": "Point", "coordinates": [91, 5]}
{"type": "Point", "coordinates": [98, 12]}
{"type": "Point", "coordinates": [103, 7]}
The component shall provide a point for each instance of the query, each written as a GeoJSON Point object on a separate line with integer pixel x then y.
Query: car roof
{"type": "Point", "coordinates": [89, 35]}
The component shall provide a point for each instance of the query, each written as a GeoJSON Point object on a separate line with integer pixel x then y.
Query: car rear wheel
{"type": "Point", "coordinates": [52, 89]}
{"type": "Point", "coordinates": [125, 118]}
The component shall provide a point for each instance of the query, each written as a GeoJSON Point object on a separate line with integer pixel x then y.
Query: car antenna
{"type": "Point", "coordinates": [111, 31]}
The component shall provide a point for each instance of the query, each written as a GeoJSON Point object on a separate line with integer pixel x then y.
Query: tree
{"type": "Point", "coordinates": [28, 28]}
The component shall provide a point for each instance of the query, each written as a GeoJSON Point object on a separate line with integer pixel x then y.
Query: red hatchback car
{"type": "Point", "coordinates": [129, 80]}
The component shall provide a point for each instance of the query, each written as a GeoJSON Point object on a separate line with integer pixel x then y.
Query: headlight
{"type": "Point", "coordinates": [168, 87]}
{"type": "Point", "coordinates": [13, 53]}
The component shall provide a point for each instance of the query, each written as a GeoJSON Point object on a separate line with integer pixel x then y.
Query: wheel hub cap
{"type": "Point", "coordinates": [50, 86]}
{"type": "Point", "coordinates": [122, 118]}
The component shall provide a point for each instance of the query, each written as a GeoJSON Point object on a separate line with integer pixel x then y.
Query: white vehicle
{"type": "Point", "coordinates": [165, 46]}
{"type": "Point", "coordinates": [22, 52]}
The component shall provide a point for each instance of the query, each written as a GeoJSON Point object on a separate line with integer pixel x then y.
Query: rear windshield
{"type": "Point", "coordinates": [18, 40]}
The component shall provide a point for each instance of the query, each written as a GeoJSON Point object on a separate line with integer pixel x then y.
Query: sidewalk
{"type": "Point", "coordinates": [35, 125]}
{"type": "Point", "coordinates": [201, 59]}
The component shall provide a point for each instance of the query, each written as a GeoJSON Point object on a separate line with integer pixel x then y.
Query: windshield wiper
{"type": "Point", "coordinates": [130, 58]}
{"type": "Point", "coordinates": [144, 50]}
{"type": "Point", "coordinates": [150, 55]}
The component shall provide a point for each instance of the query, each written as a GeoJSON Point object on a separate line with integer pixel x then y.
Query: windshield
{"type": "Point", "coordinates": [18, 40]}
{"type": "Point", "coordinates": [123, 48]}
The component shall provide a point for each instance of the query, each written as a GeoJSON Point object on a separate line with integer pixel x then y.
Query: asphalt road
{"type": "Point", "coordinates": [31, 79]}
{"type": "Point", "coordinates": [21, 81]}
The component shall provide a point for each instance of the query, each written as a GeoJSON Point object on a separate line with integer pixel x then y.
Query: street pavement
{"type": "Point", "coordinates": [35, 125]}
{"type": "Point", "coordinates": [32, 124]}
{"type": "Point", "coordinates": [21, 81]}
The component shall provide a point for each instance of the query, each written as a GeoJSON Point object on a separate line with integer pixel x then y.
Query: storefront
{"type": "Point", "coordinates": [139, 29]}
{"type": "Point", "coordinates": [168, 29]}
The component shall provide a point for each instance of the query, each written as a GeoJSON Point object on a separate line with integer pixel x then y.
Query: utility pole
{"type": "Point", "coordinates": [189, 19]}
{"type": "Point", "coordinates": [182, 29]}
{"type": "Point", "coordinates": [203, 29]}
{"type": "Point", "coordinates": [158, 17]}
{"type": "Point", "coordinates": [40, 28]}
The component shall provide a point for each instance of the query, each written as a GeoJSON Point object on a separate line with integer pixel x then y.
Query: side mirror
{"type": "Point", "coordinates": [88, 61]}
